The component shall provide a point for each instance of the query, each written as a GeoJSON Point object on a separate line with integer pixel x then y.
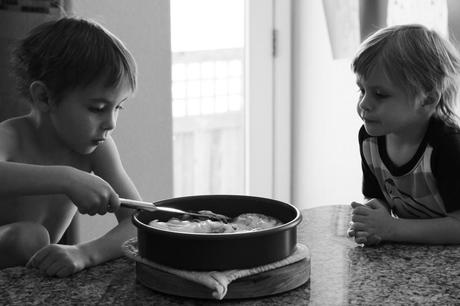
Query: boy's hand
{"type": "Point", "coordinates": [58, 260]}
{"type": "Point", "coordinates": [362, 237]}
{"type": "Point", "coordinates": [371, 222]}
{"type": "Point", "coordinates": [91, 194]}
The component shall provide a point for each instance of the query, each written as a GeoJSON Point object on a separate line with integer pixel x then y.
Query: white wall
{"type": "Point", "coordinates": [13, 26]}
{"type": "Point", "coordinates": [326, 162]}
{"type": "Point", "coordinates": [144, 130]}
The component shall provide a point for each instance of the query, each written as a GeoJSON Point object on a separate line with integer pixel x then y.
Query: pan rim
{"type": "Point", "coordinates": [282, 227]}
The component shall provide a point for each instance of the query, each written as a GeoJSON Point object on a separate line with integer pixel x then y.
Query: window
{"type": "Point", "coordinates": [231, 112]}
{"type": "Point", "coordinates": [432, 14]}
{"type": "Point", "coordinates": [208, 104]}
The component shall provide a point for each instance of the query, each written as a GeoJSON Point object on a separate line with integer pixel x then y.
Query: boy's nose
{"type": "Point", "coordinates": [110, 121]}
{"type": "Point", "coordinates": [364, 104]}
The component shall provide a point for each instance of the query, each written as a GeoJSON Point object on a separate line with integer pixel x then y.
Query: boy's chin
{"type": "Point", "coordinates": [87, 150]}
{"type": "Point", "coordinates": [373, 132]}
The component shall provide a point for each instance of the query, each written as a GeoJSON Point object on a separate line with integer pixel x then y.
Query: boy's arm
{"type": "Point", "coordinates": [89, 192]}
{"type": "Point", "coordinates": [374, 219]}
{"type": "Point", "coordinates": [107, 164]}
{"type": "Point", "coordinates": [428, 231]}
{"type": "Point", "coordinates": [18, 179]}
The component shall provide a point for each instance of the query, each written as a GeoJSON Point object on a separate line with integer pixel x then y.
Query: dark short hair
{"type": "Point", "coordinates": [71, 53]}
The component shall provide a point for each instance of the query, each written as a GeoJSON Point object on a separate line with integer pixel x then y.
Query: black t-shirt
{"type": "Point", "coordinates": [428, 186]}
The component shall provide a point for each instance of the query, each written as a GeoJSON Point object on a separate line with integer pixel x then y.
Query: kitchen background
{"type": "Point", "coordinates": [235, 96]}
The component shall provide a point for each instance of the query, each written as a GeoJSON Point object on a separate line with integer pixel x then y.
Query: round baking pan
{"type": "Point", "coordinates": [198, 251]}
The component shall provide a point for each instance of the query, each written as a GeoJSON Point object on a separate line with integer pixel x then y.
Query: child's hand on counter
{"type": "Point", "coordinates": [370, 222]}
{"type": "Point", "coordinates": [58, 260]}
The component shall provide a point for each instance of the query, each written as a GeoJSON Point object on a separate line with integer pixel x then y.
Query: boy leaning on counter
{"type": "Point", "coordinates": [408, 78]}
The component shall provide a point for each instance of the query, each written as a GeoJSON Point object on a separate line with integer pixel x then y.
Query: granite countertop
{"type": "Point", "coordinates": [342, 273]}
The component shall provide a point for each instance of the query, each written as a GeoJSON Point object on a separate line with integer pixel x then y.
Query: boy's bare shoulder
{"type": "Point", "coordinates": [105, 160]}
{"type": "Point", "coordinates": [12, 132]}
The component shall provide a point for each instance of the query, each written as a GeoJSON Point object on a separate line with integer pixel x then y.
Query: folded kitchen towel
{"type": "Point", "coordinates": [217, 281]}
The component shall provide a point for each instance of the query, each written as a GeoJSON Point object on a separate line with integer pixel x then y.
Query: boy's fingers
{"type": "Point", "coordinates": [355, 204]}
{"type": "Point", "coordinates": [361, 210]}
{"type": "Point", "coordinates": [30, 263]}
{"type": "Point", "coordinates": [350, 232]}
{"type": "Point", "coordinates": [103, 209]}
{"type": "Point", "coordinates": [64, 271]}
{"type": "Point", "coordinates": [35, 260]}
{"type": "Point", "coordinates": [358, 218]}
{"type": "Point", "coordinates": [46, 263]}
{"type": "Point", "coordinates": [114, 203]}
{"type": "Point", "coordinates": [372, 204]}
{"type": "Point", "coordinates": [361, 234]}
{"type": "Point", "coordinates": [53, 268]}
{"type": "Point", "coordinates": [378, 238]}
{"type": "Point", "coordinates": [358, 226]}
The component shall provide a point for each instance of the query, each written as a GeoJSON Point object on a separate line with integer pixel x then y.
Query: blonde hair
{"type": "Point", "coordinates": [417, 59]}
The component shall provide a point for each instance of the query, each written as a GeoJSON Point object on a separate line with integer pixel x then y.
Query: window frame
{"type": "Point", "coordinates": [268, 96]}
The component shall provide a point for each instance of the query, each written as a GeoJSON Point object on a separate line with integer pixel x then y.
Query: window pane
{"type": "Point", "coordinates": [432, 14]}
{"type": "Point", "coordinates": [207, 41]}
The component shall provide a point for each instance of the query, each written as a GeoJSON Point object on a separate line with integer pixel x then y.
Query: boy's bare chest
{"type": "Point", "coordinates": [35, 156]}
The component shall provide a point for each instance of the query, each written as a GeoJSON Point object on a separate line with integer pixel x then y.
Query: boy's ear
{"type": "Point", "coordinates": [431, 100]}
{"type": "Point", "coordinates": [40, 96]}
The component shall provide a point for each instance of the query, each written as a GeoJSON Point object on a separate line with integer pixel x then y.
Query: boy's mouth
{"type": "Point", "coordinates": [366, 120]}
{"type": "Point", "coordinates": [98, 141]}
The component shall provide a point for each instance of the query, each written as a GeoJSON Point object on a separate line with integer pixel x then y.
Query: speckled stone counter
{"type": "Point", "coordinates": [342, 273]}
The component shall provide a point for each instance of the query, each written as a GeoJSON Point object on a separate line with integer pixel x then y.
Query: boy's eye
{"type": "Point", "coordinates": [103, 108]}
{"type": "Point", "coordinates": [96, 109]}
{"type": "Point", "coordinates": [380, 94]}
